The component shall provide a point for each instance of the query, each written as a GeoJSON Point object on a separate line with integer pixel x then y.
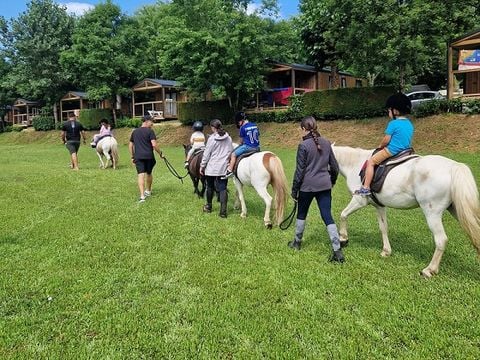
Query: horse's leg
{"type": "Point", "coordinates": [434, 221]}
{"type": "Point", "coordinates": [355, 204]}
{"type": "Point", "coordinates": [101, 160]}
{"type": "Point", "coordinates": [262, 191]}
{"type": "Point", "coordinates": [202, 191]}
{"type": "Point", "coordinates": [240, 197]}
{"type": "Point", "coordinates": [382, 224]}
{"type": "Point", "coordinates": [108, 157]}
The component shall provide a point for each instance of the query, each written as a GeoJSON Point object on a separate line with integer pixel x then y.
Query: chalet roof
{"type": "Point", "coordinates": [75, 95]}
{"type": "Point", "coordinates": [469, 41]}
{"type": "Point", "coordinates": [305, 67]}
{"type": "Point", "coordinates": [24, 102]}
{"type": "Point", "coordinates": [149, 83]}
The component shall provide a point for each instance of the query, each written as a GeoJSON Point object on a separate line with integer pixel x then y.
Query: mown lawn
{"type": "Point", "coordinates": [86, 272]}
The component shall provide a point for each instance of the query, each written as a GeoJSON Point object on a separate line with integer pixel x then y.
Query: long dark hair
{"type": "Point", "coordinates": [217, 124]}
{"type": "Point", "coordinates": [310, 124]}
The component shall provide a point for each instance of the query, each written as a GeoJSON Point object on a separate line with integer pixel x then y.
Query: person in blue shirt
{"type": "Point", "coordinates": [398, 137]}
{"type": "Point", "coordinates": [249, 139]}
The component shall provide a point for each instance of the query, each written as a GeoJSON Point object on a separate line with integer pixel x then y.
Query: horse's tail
{"type": "Point", "coordinates": [274, 166]}
{"type": "Point", "coordinates": [466, 202]}
{"type": "Point", "coordinates": [114, 152]}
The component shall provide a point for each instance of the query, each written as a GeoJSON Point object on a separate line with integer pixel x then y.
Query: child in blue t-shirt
{"type": "Point", "coordinates": [398, 137]}
{"type": "Point", "coordinates": [249, 139]}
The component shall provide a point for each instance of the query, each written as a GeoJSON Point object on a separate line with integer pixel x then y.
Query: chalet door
{"type": "Point", "coordinates": [171, 104]}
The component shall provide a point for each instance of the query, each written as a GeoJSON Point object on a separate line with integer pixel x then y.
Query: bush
{"type": "Point", "coordinates": [90, 118]}
{"type": "Point", "coordinates": [435, 107]}
{"type": "Point", "coordinates": [205, 111]}
{"type": "Point", "coordinates": [43, 123]}
{"type": "Point", "coordinates": [347, 103]}
{"type": "Point", "coordinates": [17, 127]}
{"type": "Point", "coordinates": [129, 123]}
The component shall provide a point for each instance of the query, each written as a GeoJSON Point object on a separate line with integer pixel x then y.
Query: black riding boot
{"type": "Point", "coordinates": [208, 206]}
{"type": "Point", "coordinates": [223, 203]}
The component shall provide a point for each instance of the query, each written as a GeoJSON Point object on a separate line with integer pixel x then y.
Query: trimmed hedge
{"type": "Point", "coordinates": [90, 118]}
{"type": "Point", "coordinates": [205, 111]}
{"type": "Point", "coordinates": [347, 103]}
{"type": "Point", "coordinates": [43, 123]}
{"type": "Point", "coordinates": [128, 122]}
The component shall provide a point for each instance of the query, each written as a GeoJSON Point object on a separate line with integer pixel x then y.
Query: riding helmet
{"type": "Point", "coordinates": [401, 102]}
{"type": "Point", "coordinates": [240, 116]}
{"type": "Point", "coordinates": [197, 126]}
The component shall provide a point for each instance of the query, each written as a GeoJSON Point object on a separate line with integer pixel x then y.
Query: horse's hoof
{"type": "Point", "coordinates": [427, 273]}
{"type": "Point", "coordinates": [268, 226]}
{"type": "Point", "coordinates": [243, 216]}
{"type": "Point", "coordinates": [385, 253]}
{"type": "Point", "coordinates": [343, 243]}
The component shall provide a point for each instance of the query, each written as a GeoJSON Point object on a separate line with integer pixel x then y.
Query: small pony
{"type": "Point", "coordinates": [259, 170]}
{"type": "Point", "coordinates": [433, 183]}
{"type": "Point", "coordinates": [194, 170]}
{"type": "Point", "coordinates": [107, 148]}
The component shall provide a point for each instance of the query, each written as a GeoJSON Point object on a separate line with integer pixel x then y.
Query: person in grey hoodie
{"type": "Point", "coordinates": [315, 174]}
{"type": "Point", "coordinates": [214, 165]}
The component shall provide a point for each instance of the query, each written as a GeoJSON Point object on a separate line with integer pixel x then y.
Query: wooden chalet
{"type": "Point", "coordinates": [74, 101]}
{"type": "Point", "coordinates": [23, 111]}
{"type": "Point", "coordinates": [463, 61]}
{"type": "Point", "coordinates": [284, 80]}
{"type": "Point", "coordinates": [158, 98]}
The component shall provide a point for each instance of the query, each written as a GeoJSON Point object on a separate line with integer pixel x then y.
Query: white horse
{"type": "Point", "coordinates": [433, 183]}
{"type": "Point", "coordinates": [107, 148]}
{"type": "Point", "coordinates": [259, 170]}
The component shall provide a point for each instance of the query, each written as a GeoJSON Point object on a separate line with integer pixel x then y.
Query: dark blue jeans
{"type": "Point", "coordinates": [324, 202]}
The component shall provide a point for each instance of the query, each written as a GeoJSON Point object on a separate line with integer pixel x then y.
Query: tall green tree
{"type": "Point", "coordinates": [214, 45]}
{"type": "Point", "coordinates": [101, 60]}
{"type": "Point", "coordinates": [32, 44]}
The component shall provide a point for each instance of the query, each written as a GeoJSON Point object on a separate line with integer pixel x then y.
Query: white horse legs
{"type": "Point", "coordinates": [382, 224]}
{"type": "Point", "coordinates": [102, 165]}
{"type": "Point", "coordinates": [355, 204]}
{"type": "Point", "coordinates": [435, 224]}
{"type": "Point", "coordinates": [263, 193]}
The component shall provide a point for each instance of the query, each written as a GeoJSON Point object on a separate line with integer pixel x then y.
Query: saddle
{"type": "Point", "coordinates": [243, 156]}
{"type": "Point", "coordinates": [381, 171]}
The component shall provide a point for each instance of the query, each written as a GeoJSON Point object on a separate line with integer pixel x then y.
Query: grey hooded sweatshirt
{"type": "Point", "coordinates": [217, 154]}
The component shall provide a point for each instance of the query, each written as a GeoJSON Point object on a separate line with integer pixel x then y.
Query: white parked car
{"type": "Point", "coordinates": [418, 97]}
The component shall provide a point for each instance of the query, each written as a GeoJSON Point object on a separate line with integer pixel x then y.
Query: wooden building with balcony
{"type": "Point", "coordinates": [158, 98]}
{"type": "Point", "coordinates": [463, 61]}
{"type": "Point", "coordinates": [74, 101]}
{"type": "Point", "coordinates": [23, 111]}
{"type": "Point", "coordinates": [284, 80]}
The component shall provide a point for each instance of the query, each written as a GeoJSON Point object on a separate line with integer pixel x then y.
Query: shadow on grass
{"type": "Point", "coordinates": [453, 263]}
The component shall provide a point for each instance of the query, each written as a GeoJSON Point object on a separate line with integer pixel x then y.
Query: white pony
{"type": "Point", "coordinates": [259, 170]}
{"type": "Point", "coordinates": [433, 183]}
{"type": "Point", "coordinates": [107, 148]}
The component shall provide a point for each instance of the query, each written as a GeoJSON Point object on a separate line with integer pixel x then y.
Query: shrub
{"type": "Point", "coordinates": [43, 123]}
{"type": "Point", "coordinates": [17, 127]}
{"type": "Point", "coordinates": [439, 106]}
{"type": "Point", "coordinates": [128, 122]}
{"type": "Point", "coordinates": [205, 111]}
{"type": "Point", "coordinates": [90, 118]}
{"type": "Point", "coordinates": [347, 103]}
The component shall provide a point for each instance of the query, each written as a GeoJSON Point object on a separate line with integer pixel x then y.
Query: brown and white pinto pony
{"type": "Point", "coordinates": [260, 170]}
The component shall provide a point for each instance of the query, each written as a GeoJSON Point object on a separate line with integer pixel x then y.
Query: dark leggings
{"type": "Point", "coordinates": [324, 201]}
{"type": "Point", "coordinates": [215, 183]}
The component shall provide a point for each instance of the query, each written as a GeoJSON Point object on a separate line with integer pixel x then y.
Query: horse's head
{"type": "Point", "coordinates": [187, 148]}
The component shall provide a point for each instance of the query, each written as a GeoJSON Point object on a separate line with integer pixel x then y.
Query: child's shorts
{"type": "Point", "coordinates": [381, 156]}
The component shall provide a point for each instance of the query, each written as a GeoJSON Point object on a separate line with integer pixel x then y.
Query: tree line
{"type": "Point", "coordinates": [218, 47]}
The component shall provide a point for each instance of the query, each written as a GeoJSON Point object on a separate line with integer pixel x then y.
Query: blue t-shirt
{"type": "Point", "coordinates": [250, 134]}
{"type": "Point", "coordinates": [401, 132]}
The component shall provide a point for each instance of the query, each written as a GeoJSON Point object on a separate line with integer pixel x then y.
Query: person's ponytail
{"type": "Point", "coordinates": [310, 124]}
{"type": "Point", "coordinates": [217, 124]}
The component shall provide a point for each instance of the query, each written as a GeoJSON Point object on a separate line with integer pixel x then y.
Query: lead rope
{"type": "Point", "coordinates": [289, 219]}
{"type": "Point", "coordinates": [173, 171]}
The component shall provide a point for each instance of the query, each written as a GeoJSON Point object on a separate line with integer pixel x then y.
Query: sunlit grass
{"type": "Point", "coordinates": [86, 272]}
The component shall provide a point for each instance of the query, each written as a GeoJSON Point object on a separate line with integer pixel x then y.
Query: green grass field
{"type": "Point", "coordinates": [87, 273]}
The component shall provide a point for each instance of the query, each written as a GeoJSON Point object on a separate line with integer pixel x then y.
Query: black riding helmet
{"type": "Point", "coordinates": [240, 116]}
{"type": "Point", "coordinates": [400, 102]}
{"type": "Point", "coordinates": [197, 126]}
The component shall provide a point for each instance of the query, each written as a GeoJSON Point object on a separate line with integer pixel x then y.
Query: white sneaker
{"type": "Point", "coordinates": [147, 193]}
{"type": "Point", "coordinates": [142, 200]}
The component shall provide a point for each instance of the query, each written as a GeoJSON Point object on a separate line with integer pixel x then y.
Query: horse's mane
{"type": "Point", "coordinates": [350, 157]}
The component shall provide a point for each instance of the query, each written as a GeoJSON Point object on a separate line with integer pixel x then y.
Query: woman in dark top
{"type": "Point", "coordinates": [315, 174]}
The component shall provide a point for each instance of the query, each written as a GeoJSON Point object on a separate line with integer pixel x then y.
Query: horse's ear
{"type": "Point", "coordinates": [184, 146]}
